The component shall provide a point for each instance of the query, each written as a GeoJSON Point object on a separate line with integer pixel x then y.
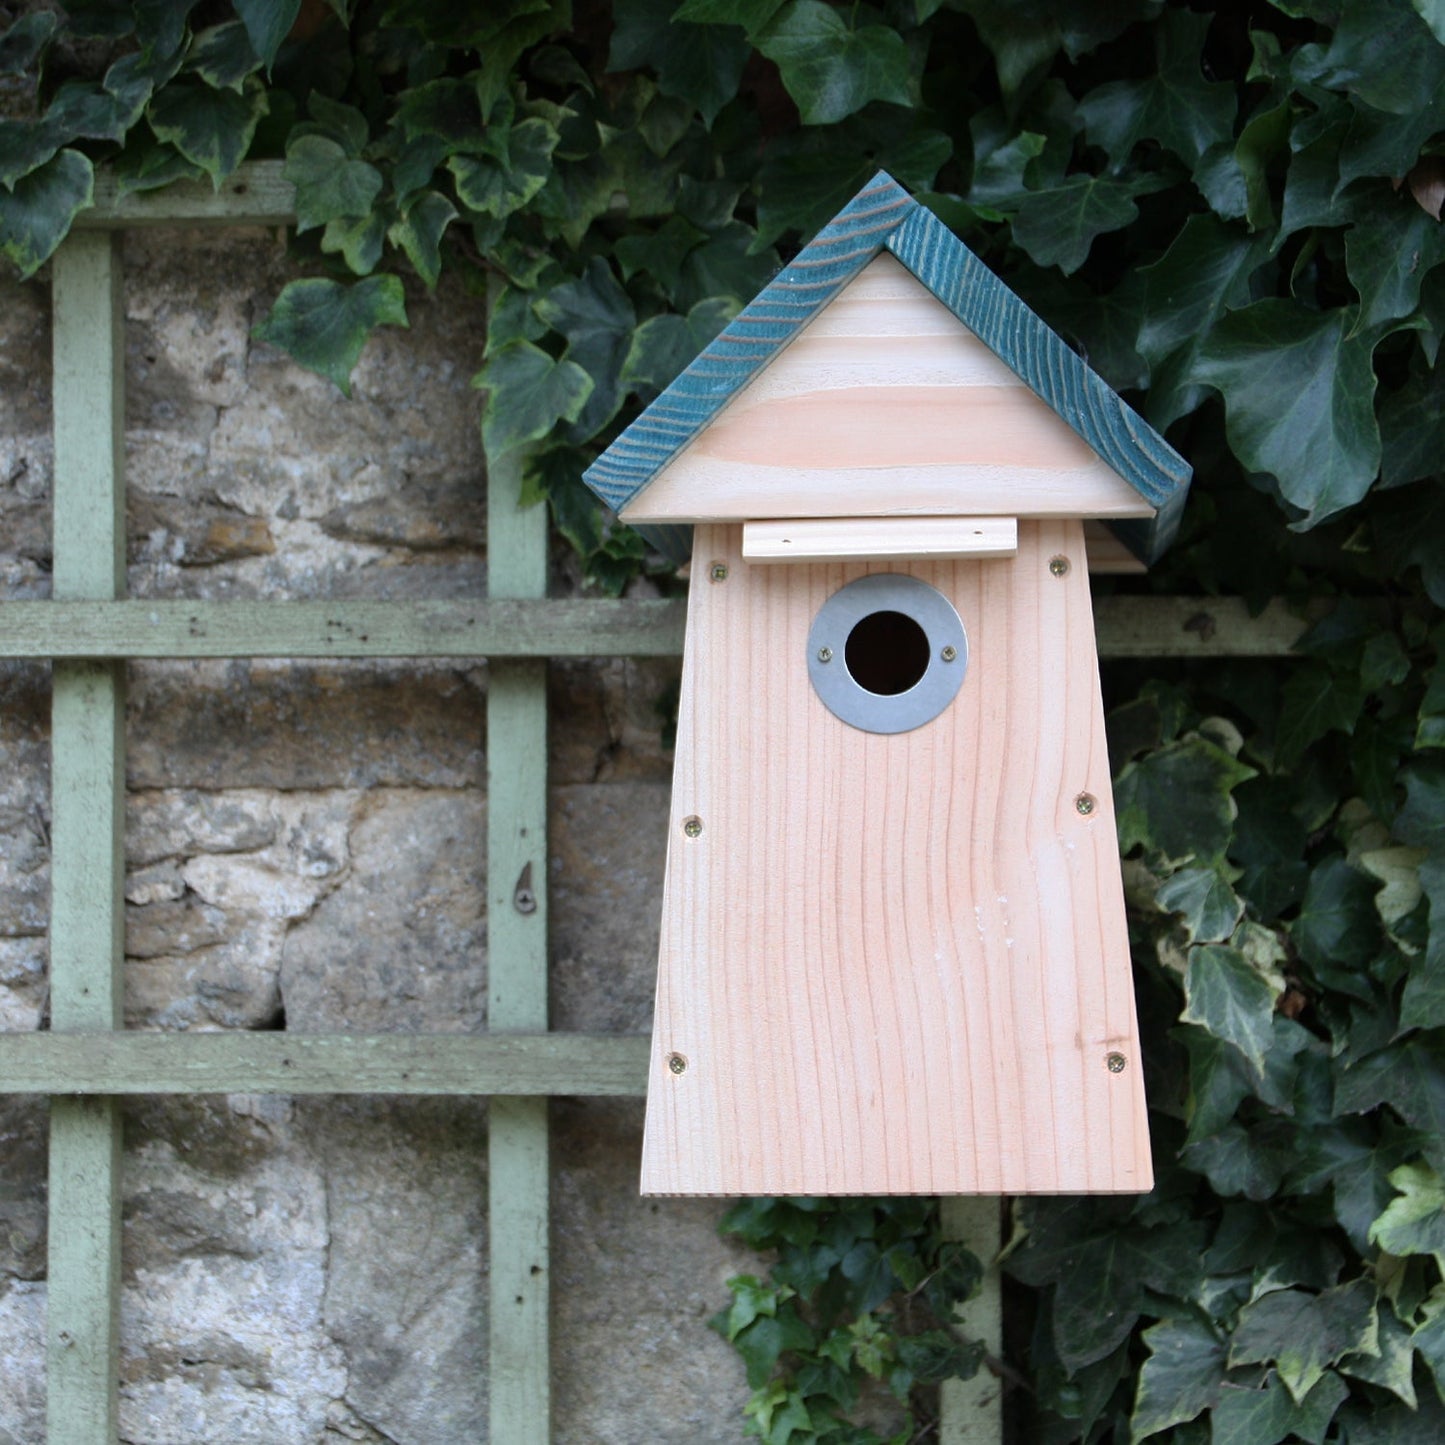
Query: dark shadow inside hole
{"type": "Point", "coordinates": [886, 653]}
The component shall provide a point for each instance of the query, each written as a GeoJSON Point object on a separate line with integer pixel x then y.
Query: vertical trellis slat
{"type": "Point", "coordinates": [87, 788]}
{"type": "Point", "coordinates": [518, 1166]}
{"type": "Point", "coordinates": [971, 1411]}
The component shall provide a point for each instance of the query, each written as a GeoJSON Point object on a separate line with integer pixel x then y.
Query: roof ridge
{"type": "Point", "coordinates": [883, 216]}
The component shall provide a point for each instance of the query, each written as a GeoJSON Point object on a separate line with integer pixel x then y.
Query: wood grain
{"type": "Point", "coordinates": [900, 538]}
{"type": "Point", "coordinates": [893, 964]}
{"type": "Point", "coordinates": [87, 870]}
{"type": "Point", "coordinates": [257, 194]}
{"type": "Point", "coordinates": [465, 1065]}
{"type": "Point", "coordinates": [885, 404]}
{"type": "Point", "coordinates": [519, 1403]}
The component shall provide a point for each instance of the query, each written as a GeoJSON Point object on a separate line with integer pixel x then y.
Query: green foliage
{"type": "Point", "coordinates": [1226, 208]}
{"type": "Point", "coordinates": [858, 1307]}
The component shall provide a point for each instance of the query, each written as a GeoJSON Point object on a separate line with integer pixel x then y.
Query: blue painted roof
{"type": "Point", "coordinates": [883, 216]}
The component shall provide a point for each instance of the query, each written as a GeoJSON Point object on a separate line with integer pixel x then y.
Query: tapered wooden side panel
{"type": "Point", "coordinates": [894, 964]}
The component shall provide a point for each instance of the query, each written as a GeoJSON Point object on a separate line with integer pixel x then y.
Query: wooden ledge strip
{"type": "Point", "coordinates": [278, 1063]}
{"type": "Point", "coordinates": [831, 539]}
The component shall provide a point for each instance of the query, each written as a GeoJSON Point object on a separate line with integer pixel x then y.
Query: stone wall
{"type": "Point", "coordinates": [305, 851]}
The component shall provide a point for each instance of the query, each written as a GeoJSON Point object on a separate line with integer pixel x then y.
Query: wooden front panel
{"type": "Point", "coordinates": [893, 964]}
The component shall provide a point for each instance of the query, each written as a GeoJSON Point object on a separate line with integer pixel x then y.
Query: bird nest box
{"type": "Point", "coordinates": [894, 956]}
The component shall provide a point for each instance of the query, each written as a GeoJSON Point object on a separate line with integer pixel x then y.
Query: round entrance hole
{"type": "Point", "coordinates": [886, 653]}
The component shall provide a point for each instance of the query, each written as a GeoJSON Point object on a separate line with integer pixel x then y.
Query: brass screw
{"type": "Point", "coordinates": [1059, 566]}
{"type": "Point", "coordinates": [1085, 803]}
{"type": "Point", "coordinates": [692, 826]}
{"type": "Point", "coordinates": [719, 572]}
{"type": "Point", "coordinates": [949, 653]}
{"type": "Point", "coordinates": [677, 1063]}
{"type": "Point", "coordinates": [825, 654]}
{"type": "Point", "coordinates": [1116, 1063]}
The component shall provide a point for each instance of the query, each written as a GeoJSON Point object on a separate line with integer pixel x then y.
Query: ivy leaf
{"type": "Point", "coordinates": [25, 146]}
{"type": "Point", "coordinates": [701, 64]}
{"type": "Point", "coordinates": [82, 109]}
{"type": "Point", "coordinates": [1219, 1081]}
{"type": "Point", "coordinates": [212, 128]}
{"type": "Point", "coordinates": [1409, 526]}
{"type": "Point", "coordinates": [1303, 1334]}
{"type": "Point", "coordinates": [1422, 1005]}
{"type": "Point", "coordinates": [1175, 105]}
{"type": "Point", "coordinates": [1388, 252]}
{"type": "Point", "coordinates": [1204, 273]}
{"type": "Point", "coordinates": [1101, 1263]}
{"type": "Point", "coordinates": [335, 121]}
{"type": "Point", "coordinates": [35, 215]}
{"type": "Point", "coordinates": [595, 315]}
{"type": "Point", "coordinates": [223, 56]}
{"type": "Point", "coordinates": [766, 1338]}
{"type": "Point", "coordinates": [1382, 52]}
{"type": "Point", "coordinates": [1409, 1078]}
{"type": "Point", "coordinates": [1180, 1379]}
{"type": "Point", "coordinates": [1227, 996]}
{"type": "Point", "coordinates": [329, 184]}
{"type": "Point", "coordinates": [752, 15]}
{"type": "Point", "coordinates": [808, 176]}
{"type": "Point", "coordinates": [1206, 901]}
{"type": "Point", "coordinates": [528, 393]}
{"type": "Point", "coordinates": [448, 110]}
{"type": "Point", "coordinates": [1057, 224]}
{"type": "Point", "coordinates": [831, 69]}
{"type": "Point", "coordinates": [492, 188]}
{"type": "Point", "coordinates": [149, 167]}
{"type": "Point", "coordinates": [1393, 1368]}
{"type": "Point", "coordinates": [26, 41]}
{"type": "Point", "coordinates": [1316, 700]}
{"type": "Point", "coordinates": [419, 233]}
{"type": "Point", "coordinates": [267, 23]}
{"type": "Point", "coordinates": [1176, 801]}
{"type": "Point", "coordinates": [324, 324]}
{"type": "Point", "coordinates": [358, 240]}
{"type": "Point", "coordinates": [1268, 1413]}
{"type": "Point", "coordinates": [663, 345]}
{"type": "Point", "coordinates": [1251, 1161]}
{"type": "Point", "coordinates": [1414, 1222]}
{"type": "Point", "coordinates": [1338, 928]}
{"type": "Point", "coordinates": [1421, 822]}
{"type": "Point", "coordinates": [1298, 393]}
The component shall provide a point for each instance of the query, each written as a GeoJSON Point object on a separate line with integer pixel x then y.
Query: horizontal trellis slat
{"type": "Point", "coordinates": [508, 627]}
{"type": "Point", "coordinates": [278, 1063]}
{"type": "Point", "coordinates": [254, 195]}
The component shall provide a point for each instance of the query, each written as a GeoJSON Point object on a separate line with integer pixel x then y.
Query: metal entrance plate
{"type": "Point", "coordinates": [887, 653]}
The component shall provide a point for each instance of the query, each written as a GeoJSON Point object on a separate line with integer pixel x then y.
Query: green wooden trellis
{"type": "Point", "coordinates": [87, 1060]}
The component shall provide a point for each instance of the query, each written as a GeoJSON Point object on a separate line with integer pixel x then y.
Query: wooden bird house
{"type": "Point", "coordinates": [894, 956]}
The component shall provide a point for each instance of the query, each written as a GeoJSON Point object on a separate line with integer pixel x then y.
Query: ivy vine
{"type": "Point", "coordinates": [1233, 209]}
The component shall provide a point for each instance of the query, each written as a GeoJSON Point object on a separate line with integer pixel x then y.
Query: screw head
{"type": "Point", "coordinates": [1116, 1063]}
{"type": "Point", "coordinates": [949, 653]}
{"type": "Point", "coordinates": [825, 654]}
{"type": "Point", "coordinates": [718, 572]}
{"type": "Point", "coordinates": [692, 826]}
{"type": "Point", "coordinates": [1085, 804]}
{"type": "Point", "coordinates": [1059, 566]}
{"type": "Point", "coordinates": [677, 1064]}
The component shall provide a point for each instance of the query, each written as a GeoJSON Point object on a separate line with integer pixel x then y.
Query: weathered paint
{"type": "Point", "coordinates": [883, 216]}
{"type": "Point", "coordinates": [87, 855]}
{"type": "Point", "coordinates": [519, 1399]}
{"type": "Point", "coordinates": [241, 1062]}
